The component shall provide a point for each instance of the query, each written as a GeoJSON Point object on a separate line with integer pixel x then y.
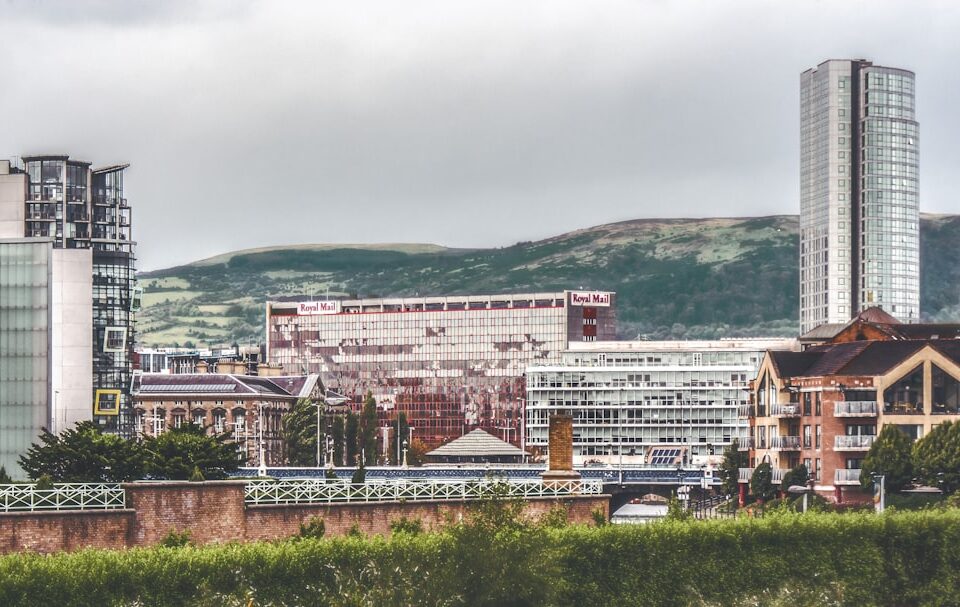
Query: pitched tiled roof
{"type": "Point", "coordinates": [476, 444]}
{"type": "Point", "coordinates": [857, 357]}
{"type": "Point", "coordinates": [226, 383]}
{"type": "Point", "coordinates": [792, 364]}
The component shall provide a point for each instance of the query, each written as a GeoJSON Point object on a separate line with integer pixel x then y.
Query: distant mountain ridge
{"type": "Point", "coordinates": [675, 278]}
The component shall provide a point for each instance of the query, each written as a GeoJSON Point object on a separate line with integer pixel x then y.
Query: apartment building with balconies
{"type": "Point", "coordinates": [824, 407]}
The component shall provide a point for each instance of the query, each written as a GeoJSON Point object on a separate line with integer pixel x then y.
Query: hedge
{"type": "Point", "coordinates": [903, 558]}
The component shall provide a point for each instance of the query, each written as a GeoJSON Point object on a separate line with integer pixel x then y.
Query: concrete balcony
{"type": "Point", "coordinates": [853, 443]}
{"type": "Point", "coordinates": [785, 443]}
{"type": "Point", "coordinates": [746, 443]}
{"type": "Point", "coordinates": [744, 474]}
{"type": "Point", "coordinates": [855, 408]}
{"type": "Point", "coordinates": [842, 476]}
{"type": "Point", "coordinates": [745, 411]}
{"type": "Point", "coordinates": [785, 410]}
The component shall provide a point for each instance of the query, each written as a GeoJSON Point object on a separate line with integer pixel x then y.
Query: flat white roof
{"type": "Point", "coordinates": [759, 344]}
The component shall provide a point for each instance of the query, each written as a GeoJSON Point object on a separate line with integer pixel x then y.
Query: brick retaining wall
{"type": "Point", "coordinates": [214, 512]}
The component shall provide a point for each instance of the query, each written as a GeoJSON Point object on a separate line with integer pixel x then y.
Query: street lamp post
{"type": "Point", "coordinates": [879, 481]}
{"type": "Point", "coordinates": [404, 453]}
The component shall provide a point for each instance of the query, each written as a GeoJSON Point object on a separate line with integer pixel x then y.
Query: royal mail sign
{"type": "Point", "coordinates": [311, 308]}
{"type": "Point", "coordinates": [589, 298]}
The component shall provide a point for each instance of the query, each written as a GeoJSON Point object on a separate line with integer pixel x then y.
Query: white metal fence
{"type": "Point", "coordinates": [313, 491]}
{"type": "Point", "coordinates": [63, 496]}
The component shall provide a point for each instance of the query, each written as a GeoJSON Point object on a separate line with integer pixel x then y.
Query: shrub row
{"type": "Point", "coordinates": [905, 558]}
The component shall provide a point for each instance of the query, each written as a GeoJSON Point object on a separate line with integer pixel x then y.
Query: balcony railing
{"type": "Point", "coordinates": [855, 408]}
{"type": "Point", "coordinates": [903, 408]}
{"type": "Point", "coordinates": [746, 443]}
{"type": "Point", "coordinates": [785, 410]}
{"type": "Point", "coordinates": [785, 443]}
{"type": "Point", "coordinates": [854, 443]}
{"type": "Point", "coordinates": [842, 476]}
{"type": "Point", "coordinates": [776, 475]}
{"type": "Point", "coordinates": [745, 411]}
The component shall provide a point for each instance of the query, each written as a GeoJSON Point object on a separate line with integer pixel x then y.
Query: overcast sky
{"type": "Point", "coordinates": [462, 124]}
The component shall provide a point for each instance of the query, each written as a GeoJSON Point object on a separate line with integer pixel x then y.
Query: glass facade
{"type": "Point", "coordinates": [629, 398]}
{"type": "Point", "coordinates": [451, 364]}
{"type": "Point", "coordinates": [83, 208]}
{"type": "Point", "coordinates": [24, 346]}
{"type": "Point", "coordinates": [859, 207]}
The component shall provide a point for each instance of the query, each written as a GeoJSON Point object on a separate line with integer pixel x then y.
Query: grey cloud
{"type": "Point", "coordinates": [463, 124]}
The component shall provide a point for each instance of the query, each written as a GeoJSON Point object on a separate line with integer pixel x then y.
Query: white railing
{"type": "Point", "coordinates": [863, 442]}
{"type": "Point", "coordinates": [745, 442]}
{"type": "Point", "coordinates": [843, 476]}
{"type": "Point", "coordinates": [776, 475]}
{"type": "Point", "coordinates": [785, 442]}
{"type": "Point", "coordinates": [784, 410]}
{"type": "Point", "coordinates": [63, 496]}
{"type": "Point", "coordinates": [313, 491]}
{"type": "Point", "coordinates": [853, 408]}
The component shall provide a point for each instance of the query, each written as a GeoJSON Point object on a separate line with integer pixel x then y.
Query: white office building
{"type": "Point", "coordinates": [647, 402]}
{"type": "Point", "coordinates": [46, 328]}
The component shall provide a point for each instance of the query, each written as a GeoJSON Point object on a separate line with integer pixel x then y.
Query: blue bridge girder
{"type": "Point", "coordinates": [633, 475]}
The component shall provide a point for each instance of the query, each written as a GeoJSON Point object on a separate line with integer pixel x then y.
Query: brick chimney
{"type": "Point", "coordinates": [560, 445]}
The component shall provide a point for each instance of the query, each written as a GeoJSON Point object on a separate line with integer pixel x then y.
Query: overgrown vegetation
{"type": "Point", "coordinates": [498, 557]}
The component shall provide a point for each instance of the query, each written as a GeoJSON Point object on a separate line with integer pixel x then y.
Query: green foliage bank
{"type": "Point", "coordinates": [906, 558]}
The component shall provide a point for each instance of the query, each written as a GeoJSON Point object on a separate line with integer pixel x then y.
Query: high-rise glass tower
{"type": "Point", "coordinates": [859, 208]}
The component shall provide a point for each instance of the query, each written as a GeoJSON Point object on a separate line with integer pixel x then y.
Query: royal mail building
{"type": "Point", "coordinates": [451, 364]}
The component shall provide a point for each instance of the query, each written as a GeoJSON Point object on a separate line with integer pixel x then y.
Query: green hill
{"type": "Point", "coordinates": [679, 278]}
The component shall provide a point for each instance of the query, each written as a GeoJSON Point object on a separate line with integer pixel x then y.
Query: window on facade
{"type": "Point", "coordinates": [946, 392]}
{"type": "Point", "coordinates": [819, 435]}
{"type": "Point", "coordinates": [905, 397]}
{"type": "Point", "coordinates": [818, 405]}
{"type": "Point", "coordinates": [806, 403]}
{"type": "Point", "coordinates": [114, 339]}
{"type": "Point", "coordinates": [806, 437]}
{"type": "Point", "coordinates": [199, 418]}
{"type": "Point", "coordinates": [219, 421]}
{"type": "Point", "coordinates": [179, 419]}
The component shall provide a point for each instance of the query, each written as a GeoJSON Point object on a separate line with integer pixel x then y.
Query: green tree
{"type": "Point", "coordinates": [890, 456]}
{"type": "Point", "coordinates": [353, 438]}
{"type": "Point", "coordinates": [338, 433]}
{"type": "Point", "coordinates": [83, 454]}
{"type": "Point", "coordinates": [733, 460]}
{"type": "Point", "coordinates": [761, 483]}
{"type": "Point", "coordinates": [368, 429]}
{"type": "Point", "coordinates": [300, 433]}
{"type": "Point", "coordinates": [795, 476]}
{"type": "Point", "coordinates": [416, 452]}
{"type": "Point", "coordinates": [936, 457]}
{"type": "Point", "coordinates": [175, 453]}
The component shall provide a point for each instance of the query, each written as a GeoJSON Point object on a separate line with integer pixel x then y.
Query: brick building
{"type": "Point", "coordinates": [249, 407]}
{"type": "Point", "coordinates": [824, 407]}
